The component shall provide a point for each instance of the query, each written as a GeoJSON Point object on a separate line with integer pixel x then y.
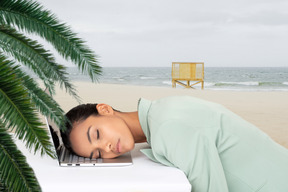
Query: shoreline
{"type": "Point", "coordinates": [207, 86]}
{"type": "Point", "coordinates": [224, 78]}
{"type": "Point", "coordinates": [267, 110]}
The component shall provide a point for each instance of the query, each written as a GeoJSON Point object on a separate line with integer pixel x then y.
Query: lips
{"type": "Point", "coordinates": [118, 147]}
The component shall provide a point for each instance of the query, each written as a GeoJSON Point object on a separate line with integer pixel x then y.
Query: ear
{"type": "Point", "coordinates": [104, 109]}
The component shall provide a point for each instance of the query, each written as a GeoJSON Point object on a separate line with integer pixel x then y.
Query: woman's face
{"type": "Point", "coordinates": [103, 136]}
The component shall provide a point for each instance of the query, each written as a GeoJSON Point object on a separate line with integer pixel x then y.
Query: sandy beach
{"type": "Point", "coordinates": [267, 110]}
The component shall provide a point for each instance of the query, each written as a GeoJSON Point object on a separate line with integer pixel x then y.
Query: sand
{"type": "Point", "coordinates": [267, 110]}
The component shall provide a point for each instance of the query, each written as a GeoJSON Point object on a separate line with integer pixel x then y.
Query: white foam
{"type": "Point", "coordinates": [147, 78]}
{"type": "Point", "coordinates": [247, 83]}
{"type": "Point", "coordinates": [253, 83]}
{"type": "Point", "coordinates": [209, 84]}
{"type": "Point", "coordinates": [167, 82]}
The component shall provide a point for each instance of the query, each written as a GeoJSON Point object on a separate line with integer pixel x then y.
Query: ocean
{"type": "Point", "coordinates": [215, 78]}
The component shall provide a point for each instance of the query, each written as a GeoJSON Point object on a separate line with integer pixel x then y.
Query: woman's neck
{"type": "Point", "coordinates": [133, 123]}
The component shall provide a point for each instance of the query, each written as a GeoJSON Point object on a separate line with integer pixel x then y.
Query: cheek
{"type": "Point", "coordinates": [81, 150]}
{"type": "Point", "coordinates": [80, 147]}
{"type": "Point", "coordinates": [115, 127]}
{"type": "Point", "coordinates": [110, 156]}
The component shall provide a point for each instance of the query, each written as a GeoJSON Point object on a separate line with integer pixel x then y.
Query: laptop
{"type": "Point", "coordinates": [66, 158]}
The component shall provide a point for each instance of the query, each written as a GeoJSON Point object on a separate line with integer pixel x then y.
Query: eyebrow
{"type": "Point", "coordinates": [88, 134]}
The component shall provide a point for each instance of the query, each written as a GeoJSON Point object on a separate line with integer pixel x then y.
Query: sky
{"type": "Point", "coordinates": [155, 33]}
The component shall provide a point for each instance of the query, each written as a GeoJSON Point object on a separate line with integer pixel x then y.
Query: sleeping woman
{"type": "Point", "coordinates": [217, 150]}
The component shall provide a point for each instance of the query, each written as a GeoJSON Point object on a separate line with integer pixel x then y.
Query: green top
{"type": "Point", "coordinates": [217, 150]}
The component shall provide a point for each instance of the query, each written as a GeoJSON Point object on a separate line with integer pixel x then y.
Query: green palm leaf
{"type": "Point", "coordinates": [33, 55]}
{"type": "Point", "coordinates": [30, 17]}
{"type": "Point", "coordinates": [2, 185]}
{"type": "Point", "coordinates": [20, 114]}
{"type": "Point", "coordinates": [16, 174]}
{"type": "Point", "coordinates": [43, 102]}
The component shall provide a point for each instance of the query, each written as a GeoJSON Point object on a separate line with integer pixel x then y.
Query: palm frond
{"type": "Point", "coordinates": [16, 174]}
{"type": "Point", "coordinates": [17, 111]}
{"type": "Point", "coordinates": [31, 17]}
{"type": "Point", "coordinates": [46, 104]}
{"type": "Point", "coordinates": [39, 60]}
{"type": "Point", "coordinates": [2, 185]}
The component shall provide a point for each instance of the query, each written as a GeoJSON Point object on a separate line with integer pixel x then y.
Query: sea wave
{"type": "Point", "coordinates": [250, 83]}
{"type": "Point", "coordinates": [146, 78]}
{"type": "Point", "coordinates": [247, 84]}
{"type": "Point", "coordinates": [270, 83]}
{"type": "Point", "coordinates": [167, 82]}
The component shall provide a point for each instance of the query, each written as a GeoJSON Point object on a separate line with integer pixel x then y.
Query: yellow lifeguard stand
{"type": "Point", "coordinates": [184, 71]}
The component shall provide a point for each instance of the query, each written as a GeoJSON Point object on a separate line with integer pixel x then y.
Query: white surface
{"type": "Point", "coordinates": [143, 176]}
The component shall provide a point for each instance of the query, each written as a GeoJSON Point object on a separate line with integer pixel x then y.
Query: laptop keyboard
{"type": "Point", "coordinates": [66, 155]}
{"type": "Point", "coordinates": [81, 159]}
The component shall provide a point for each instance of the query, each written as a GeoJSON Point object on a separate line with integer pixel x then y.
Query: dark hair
{"type": "Point", "coordinates": [78, 113]}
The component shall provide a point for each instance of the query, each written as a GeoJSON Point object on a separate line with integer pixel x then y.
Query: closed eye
{"type": "Point", "coordinates": [97, 134]}
{"type": "Point", "coordinates": [99, 155]}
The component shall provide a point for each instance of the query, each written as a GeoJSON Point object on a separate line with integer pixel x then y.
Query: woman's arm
{"type": "Point", "coordinates": [193, 152]}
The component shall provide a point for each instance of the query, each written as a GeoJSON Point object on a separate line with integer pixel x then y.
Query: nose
{"type": "Point", "coordinates": [105, 146]}
{"type": "Point", "coordinates": [108, 147]}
